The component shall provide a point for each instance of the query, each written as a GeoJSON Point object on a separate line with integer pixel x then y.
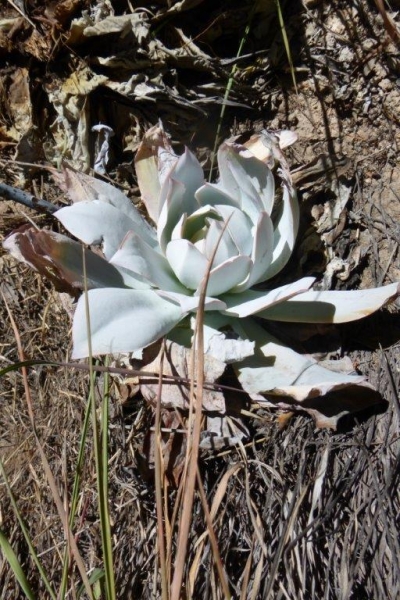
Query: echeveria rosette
{"type": "Point", "coordinates": [150, 278]}
{"type": "Point", "coordinates": [163, 269]}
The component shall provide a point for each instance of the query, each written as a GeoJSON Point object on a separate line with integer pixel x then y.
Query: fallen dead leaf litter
{"type": "Point", "coordinates": [317, 512]}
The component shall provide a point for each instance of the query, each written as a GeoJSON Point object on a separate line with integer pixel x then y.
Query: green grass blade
{"type": "Point", "coordinates": [26, 363]}
{"type": "Point", "coordinates": [95, 580]}
{"type": "Point", "coordinates": [25, 532]}
{"type": "Point", "coordinates": [75, 496]}
{"type": "Point", "coordinates": [101, 458]}
{"type": "Point", "coordinates": [104, 508]}
{"type": "Point", "coordinates": [228, 91]}
{"type": "Point", "coordinates": [286, 42]}
{"type": "Point", "coordinates": [14, 563]}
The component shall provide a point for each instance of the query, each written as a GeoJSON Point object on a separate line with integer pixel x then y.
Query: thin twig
{"type": "Point", "coordinates": [147, 376]}
{"type": "Point", "coordinates": [7, 192]}
{"type": "Point", "coordinates": [15, 7]}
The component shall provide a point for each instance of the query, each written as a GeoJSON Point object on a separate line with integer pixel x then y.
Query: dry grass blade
{"type": "Point", "coordinates": [193, 451]}
{"type": "Point", "coordinates": [213, 541]}
{"type": "Point", "coordinates": [159, 479]}
{"type": "Point", "coordinates": [218, 497]}
{"type": "Point", "coordinates": [49, 475]}
{"type": "Point", "coordinates": [228, 90]}
{"type": "Point", "coordinates": [75, 495]}
{"type": "Point", "coordinates": [21, 12]}
{"type": "Point", "coordinates": [194, 431]}
{"type": "Point", "coordinates": [390, 25]}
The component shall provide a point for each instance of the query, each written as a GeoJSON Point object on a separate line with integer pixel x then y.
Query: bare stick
{"type": "Point", "coordinates": [10, 193]}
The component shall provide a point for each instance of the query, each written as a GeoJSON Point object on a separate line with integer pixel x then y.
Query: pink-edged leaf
{"type": "Point", "coordinates": [60, 259]}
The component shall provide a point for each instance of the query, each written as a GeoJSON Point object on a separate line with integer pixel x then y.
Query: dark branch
{"type": "Point", "coordinates": [10, 193]}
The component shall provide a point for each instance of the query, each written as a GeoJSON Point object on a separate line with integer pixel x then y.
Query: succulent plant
{"type": "Point", "coordinates": [234, 234]}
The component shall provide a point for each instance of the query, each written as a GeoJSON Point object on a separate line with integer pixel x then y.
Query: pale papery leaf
{"type": "Point", "coordinates": [267, 146]}
{"type": "Point", "coordinates": [177, 362]}
{"type": "Point", "coordinates": [219, 344]}
{"type": "Point", "coordinates": [223, 431]}
{"type": "Point", "coordinates": [286, 138]}
{"type": "Point", "coordinates": [154, 160]}
{"type": "Point", "coordinates": [277, 375]}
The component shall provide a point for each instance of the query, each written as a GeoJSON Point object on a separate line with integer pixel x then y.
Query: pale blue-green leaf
{"type": "Point", "coordinates": [187, 262]}
{"type": "Point", "coordinates": [227, 275]}
{"type": "Point", "coordinates": [332, 306]}
{"type": "Point", "coordinates": [171, 211]}
{"type": "Point", "coordinates": [219, 240]}
{"type": "Point", "coordinates": [197, 223]}
{"type": "Point", "coordinates": [239, 227]}
{"type": "Point", "coordinates": [251, 302]}
{"type": "Point", "coordinates": [132, 280]}
{"type": "Point", "coordinates": [286, 227]}
{"type": "Point", "coordinates": [81, 187]}
{"type": "Point", "coordinates": [261, 255]}
{"type": "Point", "coordinates": [191, 303]}
{"type": "Point", "coordinates": [177, 232]}
{"type": "Point", "coordinates": [100, 223]}
{"type": "Point", "coordinates": [139, 258]}
{"type": "Point", "coordinates": [258, 173]}
{"type": "Point", "coordinates": [246, 177]}
{"type": "Point", "coordinates": [234, 182]}
{"type": "Point", "coordinates": [122, 320]}
{"type": "Point", "coordinates": [187, 170]}
{"type": "Point", "coordinates": [213, 194]}
{"type": "Point", "coordinates": [178, 195]}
